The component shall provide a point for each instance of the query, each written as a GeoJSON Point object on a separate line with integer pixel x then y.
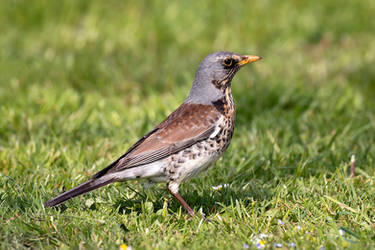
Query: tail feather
{"type": "Point", "coordinates": [81, 189]}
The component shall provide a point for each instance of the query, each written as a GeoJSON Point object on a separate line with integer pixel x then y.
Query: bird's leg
{"type": "Point", "coordinates": [174, 192]}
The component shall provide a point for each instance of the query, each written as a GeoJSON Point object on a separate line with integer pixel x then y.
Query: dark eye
{"type": "Point", "coordinates": [228, 62]}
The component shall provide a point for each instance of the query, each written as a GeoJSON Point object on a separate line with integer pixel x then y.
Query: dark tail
{"type": "Point", "coordinates": [81, 189]}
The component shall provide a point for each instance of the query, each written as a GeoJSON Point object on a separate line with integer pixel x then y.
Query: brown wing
{"type": "Point", "coordinates": [181, 129]}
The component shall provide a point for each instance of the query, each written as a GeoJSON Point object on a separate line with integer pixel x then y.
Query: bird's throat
{"type": "Point", "coordinates": [225, 104]}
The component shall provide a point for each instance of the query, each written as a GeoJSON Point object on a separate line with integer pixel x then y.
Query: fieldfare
{"type": "Point", "coordinates": [188, 141]}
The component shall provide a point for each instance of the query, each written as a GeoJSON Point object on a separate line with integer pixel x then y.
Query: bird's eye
{"type": "Point", "coordinates": [228, 62]}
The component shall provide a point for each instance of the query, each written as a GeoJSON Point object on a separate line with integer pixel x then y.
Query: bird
{"type": "Point", "coordinates": [187, 142]}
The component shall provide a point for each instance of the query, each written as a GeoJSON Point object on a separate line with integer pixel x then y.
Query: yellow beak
{"type": "Point", "coordinates": [248, 59]}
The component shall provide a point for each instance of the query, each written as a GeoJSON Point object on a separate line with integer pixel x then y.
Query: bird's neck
{"type": "Point", "coordinates": [203, 93]}
{"type": "Point", "coordinates": [225, 104]}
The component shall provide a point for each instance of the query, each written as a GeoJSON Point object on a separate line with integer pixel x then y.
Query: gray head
{"type": "Point", "coordinates": [214, 75]}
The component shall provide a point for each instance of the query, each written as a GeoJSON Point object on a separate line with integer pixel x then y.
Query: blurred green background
{"type": "Point", "coordinates": [80, 81]}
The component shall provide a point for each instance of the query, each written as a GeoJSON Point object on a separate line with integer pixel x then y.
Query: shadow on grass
{"type": "Point", "coordinates": [211, 201]}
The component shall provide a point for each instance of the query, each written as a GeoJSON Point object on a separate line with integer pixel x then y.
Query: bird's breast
{"type": "Point", "coordinates": [197, 158]}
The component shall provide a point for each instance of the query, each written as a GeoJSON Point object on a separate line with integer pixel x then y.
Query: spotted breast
{"type": "Point", "coordinates": [198, 157]}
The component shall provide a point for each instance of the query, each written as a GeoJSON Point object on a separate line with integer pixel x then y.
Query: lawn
{"type": "Point", "coordinates": [81, 81]}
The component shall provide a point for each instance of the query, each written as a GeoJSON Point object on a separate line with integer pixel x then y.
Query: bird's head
{"type": "Point", "coordinates": [214, 75]}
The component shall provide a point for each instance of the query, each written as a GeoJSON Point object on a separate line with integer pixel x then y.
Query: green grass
{"type": "Point", "coordinates": [80, 81]}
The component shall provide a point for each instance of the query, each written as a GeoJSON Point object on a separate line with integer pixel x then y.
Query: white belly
{"type": "Point", "coordinates": [152, 170]}
{"type": "Point", "coordinates": [193, 167]}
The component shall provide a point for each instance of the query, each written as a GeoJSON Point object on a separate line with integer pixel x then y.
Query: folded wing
{"type": "Point", "coordinates": [187, 125]}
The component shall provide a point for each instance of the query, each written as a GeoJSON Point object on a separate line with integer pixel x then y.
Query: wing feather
{"type": "Point", "coordinates": [187, 125]}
